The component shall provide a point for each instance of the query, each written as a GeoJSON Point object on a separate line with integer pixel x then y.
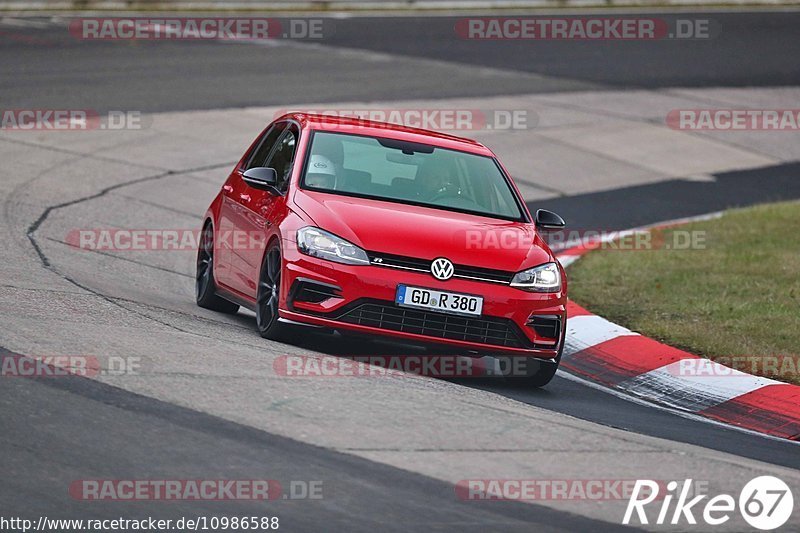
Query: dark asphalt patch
{"type": "Point", "coordinates": [640, 205]}
{"type": "Point", "coordinates": [745, 49]}
{"type": "Point", "coordinates": [57, 430]}
{"type": "Point", "coordinates": [48, 68]}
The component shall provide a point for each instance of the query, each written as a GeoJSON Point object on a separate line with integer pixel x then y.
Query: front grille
{"type": "Point", "coordinates": [424, 265]}
{"type": "Point", "coordinates": [485, 330]}
{"type": "Point", "coordinates": [499, 276]}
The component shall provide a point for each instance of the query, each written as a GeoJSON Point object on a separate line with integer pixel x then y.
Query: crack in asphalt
{"type": "Point", "coordinates": [118, 300]}
{"type": "Point", "coordinates": [81, 155]}
{"type": "Point", "coordinates": [159, 206]}
{"type": "Point", "coordinates": [46, 213]}
{"type": "Point", "coordinates": [134, 261]}
{"type": "Point", "coordinates": [38, 289]}
{"type": "Point", "coordinates": [36, 224]}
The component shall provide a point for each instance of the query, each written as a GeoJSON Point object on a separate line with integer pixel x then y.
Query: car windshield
{"type": "Point", "coordinates": [412, 173]}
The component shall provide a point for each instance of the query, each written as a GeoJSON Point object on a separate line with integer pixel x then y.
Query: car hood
{"type": "Point", "coordinates": [426, 233]}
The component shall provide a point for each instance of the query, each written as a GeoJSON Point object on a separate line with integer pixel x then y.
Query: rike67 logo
{"type": "Point", "coordinates": [765, 502]}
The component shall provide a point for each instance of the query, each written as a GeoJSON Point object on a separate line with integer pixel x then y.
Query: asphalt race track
{"type": "Point", "coordinates": [750, 49]}
{"type": "Point", "coordinates": [204, 401]}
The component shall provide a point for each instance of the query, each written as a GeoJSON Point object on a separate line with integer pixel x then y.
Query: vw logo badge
{"type": "Point", "coordinates": [442, 268]}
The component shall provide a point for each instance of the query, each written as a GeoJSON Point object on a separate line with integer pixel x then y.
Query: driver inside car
{"type": "Point", "coordinates": [438, 179]}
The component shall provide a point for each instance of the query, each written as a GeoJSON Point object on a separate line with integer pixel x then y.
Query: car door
{"type": "Point", "coordinates": [235, 214]}
{"type": "Point", "coordinates": [265, 210]}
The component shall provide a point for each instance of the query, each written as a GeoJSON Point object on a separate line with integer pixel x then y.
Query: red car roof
{"type": "Point", "coordinates": [385, 129]}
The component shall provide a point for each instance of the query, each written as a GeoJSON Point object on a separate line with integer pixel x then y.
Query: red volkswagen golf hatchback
{"type": "Point", "coordinates": [384, 230]}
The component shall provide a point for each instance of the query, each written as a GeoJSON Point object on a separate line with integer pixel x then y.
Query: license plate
{"type": "Point", "coordinates": [444, 302]}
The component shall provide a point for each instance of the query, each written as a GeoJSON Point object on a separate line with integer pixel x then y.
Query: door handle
{"type": "Point", "coordinates": [227, 188]}
{"type": "Point", "coordinates": [245, 198]}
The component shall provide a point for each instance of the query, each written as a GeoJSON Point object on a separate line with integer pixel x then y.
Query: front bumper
{"type": "Point", "coordinates": [361, 298]}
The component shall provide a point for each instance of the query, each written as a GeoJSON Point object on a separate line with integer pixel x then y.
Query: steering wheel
{"type": "Point", "coordinates": [448, 191]}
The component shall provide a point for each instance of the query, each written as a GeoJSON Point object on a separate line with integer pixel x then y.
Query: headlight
{"type": "Point", "coordinates": [544, 278]}
{"type": "Point", "coordinates": [318, 243]}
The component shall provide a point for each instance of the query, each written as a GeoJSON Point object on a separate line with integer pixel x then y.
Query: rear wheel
{"type": "Point", "coordinates": [268, 296]}
{"type": "Point", "coordinates": [205, 288]}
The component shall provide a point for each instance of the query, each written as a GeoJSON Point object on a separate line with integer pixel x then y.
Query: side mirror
{"type": "Point", "coordinates": [548, 220]}
{"type": "Point", "coordinates": [263, 178]}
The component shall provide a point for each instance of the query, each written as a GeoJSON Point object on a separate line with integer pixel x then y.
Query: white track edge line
{"type": "Point", "coordinates": [683, 414]}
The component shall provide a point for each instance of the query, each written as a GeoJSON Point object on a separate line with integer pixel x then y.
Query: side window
{"type": "Point", "coordinates": [259, 157]}
{"type": "Point", "coordinates": [283, 157]}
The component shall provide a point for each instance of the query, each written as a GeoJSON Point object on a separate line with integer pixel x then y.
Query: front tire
{"type": "Point", "coordinates": [543, 375]}
{"type": "Point", "coordinates": [268, 296]}
{"type": "Point", "coordinates": [205, 287]}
